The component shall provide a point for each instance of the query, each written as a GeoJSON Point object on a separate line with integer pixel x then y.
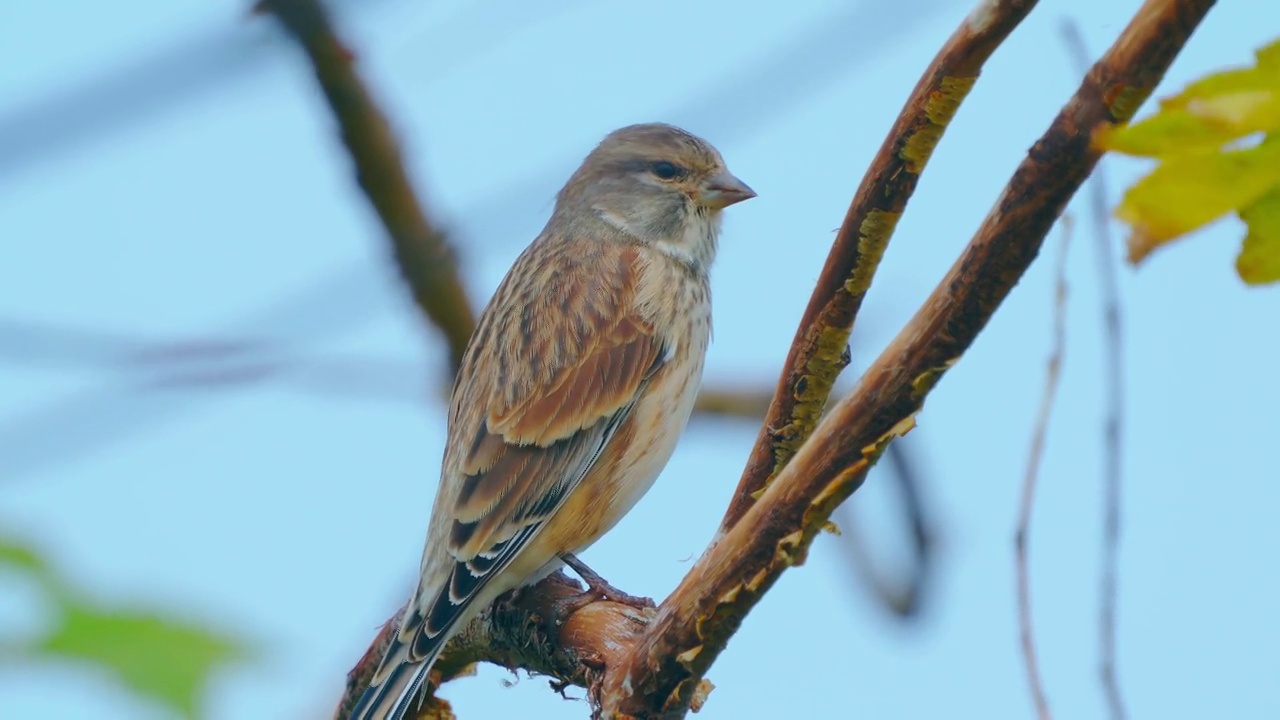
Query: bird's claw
{"type": "Point", "coordinates": [599, 589]}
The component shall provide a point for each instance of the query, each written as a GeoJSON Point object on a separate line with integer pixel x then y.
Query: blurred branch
{"type": "Point", "coordinates": [46, 345]}
{"type": "Point", "coordinates": [77, 115]}
{"type": "Point", "coordinates": [819, 351]}
{"type": "Point", "coordinates": [203, 363]}
{"type": "Point", "coordinates": [772, 85]}
{"type": "Point", "coordinates": [904, 598]}
{"type": "Point", "coordinates": [1113, 397]}
{"type": "Point", "coordinates": [424, 257]}
{"type": "Point", "coordinates": [1022, 532]}
{"type": "Point", "coordinates": [69, 118]}
{"type": "Point", "coordinates": [732, 402]}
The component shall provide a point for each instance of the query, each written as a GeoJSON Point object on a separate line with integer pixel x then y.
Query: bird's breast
{"type": "Point", "coordinates": [645, 441]}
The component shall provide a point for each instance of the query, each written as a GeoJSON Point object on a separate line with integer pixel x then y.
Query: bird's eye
{"type": "Point", "coordinates": [666, 170]}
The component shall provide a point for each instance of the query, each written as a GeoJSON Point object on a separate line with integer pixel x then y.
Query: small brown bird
{"type": "Point", "coordinates": [580, 376]}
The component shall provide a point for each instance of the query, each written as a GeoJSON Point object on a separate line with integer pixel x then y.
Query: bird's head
{"type": "Point", "coordinates": [659, 184]}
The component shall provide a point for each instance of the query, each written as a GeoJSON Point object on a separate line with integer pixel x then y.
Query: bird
{"type": "Point", "coordinates": [579, 378]}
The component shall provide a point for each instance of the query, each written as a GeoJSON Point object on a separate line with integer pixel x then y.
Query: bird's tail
{"type": "Point", "coordinates": [396, 685]}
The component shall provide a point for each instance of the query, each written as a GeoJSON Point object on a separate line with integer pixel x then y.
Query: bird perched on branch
{"type": "Point", "coordinates": [580, 376]}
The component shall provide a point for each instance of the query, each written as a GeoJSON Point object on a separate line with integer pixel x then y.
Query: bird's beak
{"type": "Point", "coordinates": [722, 190]}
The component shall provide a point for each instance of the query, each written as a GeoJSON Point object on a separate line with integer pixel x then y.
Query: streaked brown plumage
{"type": "Point", "coordinates": [577, 382]}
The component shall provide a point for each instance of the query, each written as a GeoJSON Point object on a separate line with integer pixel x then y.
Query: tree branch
{"type": "Point", "coordinates": [819, 352]}
{"type": "Point", "coordinates": [658, 672]}
{"type": "Point", "coordinates": [695, 622]}
{"type": "Point", "coordinates": [202, 362]}
{"type": "Point", "coordinates": [528, 630]}
{"type": "Point", "coordinates": [423, 255]}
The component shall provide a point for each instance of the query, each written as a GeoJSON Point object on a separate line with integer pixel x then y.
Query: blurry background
{"type": "Point", "coordinates": [217, 401]}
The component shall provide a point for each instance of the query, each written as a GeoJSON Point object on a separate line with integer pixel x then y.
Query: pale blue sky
{"type": "Point", "coordinates": [295, 516]}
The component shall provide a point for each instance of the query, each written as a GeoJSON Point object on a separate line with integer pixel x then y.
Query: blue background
{"type": "Point", "coordinates": [289, 503]}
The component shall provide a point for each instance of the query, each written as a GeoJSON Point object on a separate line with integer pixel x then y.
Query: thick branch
{"type": "Point", "coordinates": [424, 257]}
{"type": "Point", "coordinates": [695, 622]}
{"type": "Point", "coordinates": [531, 630]}
{"type": "Point", "coordinates": [819, 353]}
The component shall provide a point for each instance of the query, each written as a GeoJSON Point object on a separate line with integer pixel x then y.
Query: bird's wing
{"type": "Point", "coordinates": [558, 360]}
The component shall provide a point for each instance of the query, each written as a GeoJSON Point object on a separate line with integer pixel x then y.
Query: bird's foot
{"type": "Point", "coordinates": [599, 589]}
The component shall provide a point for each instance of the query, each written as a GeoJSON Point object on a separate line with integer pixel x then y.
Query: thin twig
{"type": "Point", "coordinates": [48, 344]}
{"type": "Point", "coordinates": [1114, 399]}
{"type": "Point", "coordinates": [203, 364]}
{"type": "Point", "coordinates": [819, 351]}
{"type": "Point", "coordinates": [422, 254]}
{"type": "Point", "coordinates": [1029, 480]}
{"type": "Point", "coordinates": [1113, 478]}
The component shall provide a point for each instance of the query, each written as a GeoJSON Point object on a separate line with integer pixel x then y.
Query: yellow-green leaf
{"type": "Point", "coordinates": [1218, 147]}
{"type": "Point", "coordinates": [1185, 192]}
{"type": "Point", "coordinates": [1206, 126]}
{"type": "Point", "coordinates": [1210, 112]}
{"type": "Point", "coordinates": [1259, 260]}
{"type": "Point", "coordinates": [1269, 56]}
{"type": "Point", "coordinates": [21, 557]}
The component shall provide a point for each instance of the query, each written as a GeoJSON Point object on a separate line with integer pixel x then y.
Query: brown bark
{"type": "Point", "coordinates": [534, 630]}
{"type": "Point", "coordinates": [818, 352]}
{"type": "Point", "coordinates": [696, 621]}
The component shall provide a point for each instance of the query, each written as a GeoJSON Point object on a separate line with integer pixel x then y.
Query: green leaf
{"type": "Point", "coordinates": [22, 557]}
{"type": "Point", "coordinates": [160, 658]}
{"type": "Point", "coordinates": [157, 657]}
